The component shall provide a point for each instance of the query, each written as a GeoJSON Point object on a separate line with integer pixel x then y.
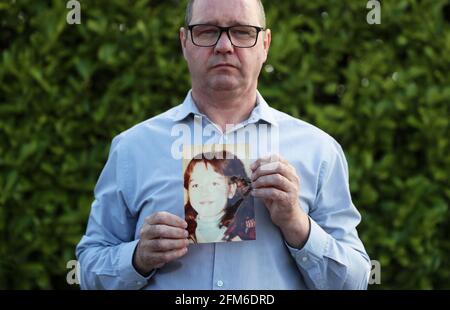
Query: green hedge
{"type": "Point", "coordinates": [383, 91]}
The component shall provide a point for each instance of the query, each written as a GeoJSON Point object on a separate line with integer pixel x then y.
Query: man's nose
{"type": "Point", "coordinates": [224, 44]}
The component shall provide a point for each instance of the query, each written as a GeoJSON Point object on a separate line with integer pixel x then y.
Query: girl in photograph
{"type": "Point", "coordinates": [219, 207]}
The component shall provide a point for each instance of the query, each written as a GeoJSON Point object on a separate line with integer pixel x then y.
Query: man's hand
{"type": "Point", "coordinates": [275, 181]}
{"type": "Point", "coordinates": [163, 238]}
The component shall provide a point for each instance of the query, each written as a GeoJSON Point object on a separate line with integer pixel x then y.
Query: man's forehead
{"type": "Point", "coordinates": [220, 22]}
{"type": "Point", "coordinates": [225, 13]}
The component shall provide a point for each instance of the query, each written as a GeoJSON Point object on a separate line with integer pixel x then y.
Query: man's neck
{"type": "Point", "coordinates": [225, 108]}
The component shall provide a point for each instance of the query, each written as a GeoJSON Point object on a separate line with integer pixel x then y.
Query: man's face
{"type": "Point", "coordinates": [224, 67]}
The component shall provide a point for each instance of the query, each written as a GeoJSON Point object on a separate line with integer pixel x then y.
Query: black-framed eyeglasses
{"type": "Point", "coordinates": [243, 36]}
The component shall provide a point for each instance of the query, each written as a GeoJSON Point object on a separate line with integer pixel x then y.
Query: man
{"type": "Point", "coordinates": [306, 234]}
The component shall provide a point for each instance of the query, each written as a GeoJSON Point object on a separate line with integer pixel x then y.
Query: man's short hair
{"type": "Point", "coordinates": [190, 7]}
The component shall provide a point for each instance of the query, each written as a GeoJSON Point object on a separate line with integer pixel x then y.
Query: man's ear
{"type": "Point", "coordinates": [267, 40]}
{"type": "Point", "coordinates": [232, 190]}
{"type": "Point", "coordinates": [183, 40]}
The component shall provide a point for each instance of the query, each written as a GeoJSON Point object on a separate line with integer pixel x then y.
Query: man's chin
{"type": "Point", "coordinates": [225, 85]}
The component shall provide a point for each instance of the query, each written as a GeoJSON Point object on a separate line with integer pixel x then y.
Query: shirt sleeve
{"type": "Point", "coordinates": [105, 252]}
{"type": "Point", "coordinates": [333, 256]}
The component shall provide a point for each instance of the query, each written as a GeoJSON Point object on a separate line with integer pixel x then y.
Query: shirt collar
{"type": "Point", "coordinates": [262, 111]}
{"type": "Point", "coordinates": [187, 108]}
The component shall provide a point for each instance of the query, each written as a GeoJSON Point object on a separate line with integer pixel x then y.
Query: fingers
{"type": "Point", "coordinates": [159, 231]}
{"type": "Point", "coordinates": [274, 180]}
{"type": "Point", "coordinates": [270, 193]}
{"type": "Point", "coordinates": [264, 166]}
{"type": "Point", "coordinates": [160, 244]}
{"type": "Point", "coordinates": [163, 239]}
{"type": "Point", "coordinates": [159, 259]}
{"type": "Point", "coordinates": [166, 257]}
{"type": "Point", "coordinates": [166, 218]}
{"type": "Point", "coordinates": [268, 159]}
{"type": "Point", "coordinates": [165, 245]}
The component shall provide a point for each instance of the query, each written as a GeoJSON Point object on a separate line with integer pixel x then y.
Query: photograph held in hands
{"type": "Point", "coordinates": [218, 205]}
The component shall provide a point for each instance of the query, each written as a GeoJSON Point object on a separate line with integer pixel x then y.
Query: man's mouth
{"type": "Point", "coordinates": [223, 66]}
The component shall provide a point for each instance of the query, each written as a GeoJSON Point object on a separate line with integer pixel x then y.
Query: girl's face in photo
{"type": "Point", "coordinates": [208, 190]}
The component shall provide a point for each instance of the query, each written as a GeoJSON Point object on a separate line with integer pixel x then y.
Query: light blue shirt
{"type": "Point", "coordinates": [143, 175]}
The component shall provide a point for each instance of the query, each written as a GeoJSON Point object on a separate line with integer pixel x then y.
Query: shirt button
{"type": "Point", "coordinates": [219, 283]}
{"type": "Point", "coordinates": [304, 258]}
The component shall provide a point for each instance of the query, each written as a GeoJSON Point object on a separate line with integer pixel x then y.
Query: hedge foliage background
{"type": "Point", "coordinates": [383, 91]}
